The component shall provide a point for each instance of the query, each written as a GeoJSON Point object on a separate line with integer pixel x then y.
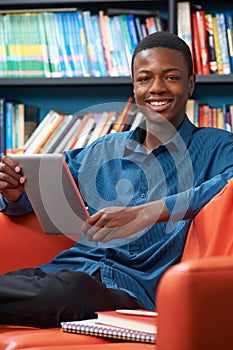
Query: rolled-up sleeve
{"type": "Point", "coordinates": [18, 208]}
{"type": "Point", "coordinates": [187, 204]}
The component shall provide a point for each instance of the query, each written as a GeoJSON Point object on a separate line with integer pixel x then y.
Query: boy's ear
{"type": "Point", "coordinates": [192, 82]}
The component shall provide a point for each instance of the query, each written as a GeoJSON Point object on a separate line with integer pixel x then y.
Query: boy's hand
{"type": "Point", "coordinates": [11, 179]}
{"type": "Point", "coordinates": [114, 223]}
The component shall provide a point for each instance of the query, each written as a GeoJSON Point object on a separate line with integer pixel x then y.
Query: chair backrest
{"type": "Point", "coordinates": [211, 232]}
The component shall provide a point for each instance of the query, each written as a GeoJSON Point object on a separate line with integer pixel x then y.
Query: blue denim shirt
{"type": "Point", "coordinates": [116, 170]}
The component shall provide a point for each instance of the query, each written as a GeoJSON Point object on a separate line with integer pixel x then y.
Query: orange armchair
{"type": "Point", "coordinates": [194, 298]}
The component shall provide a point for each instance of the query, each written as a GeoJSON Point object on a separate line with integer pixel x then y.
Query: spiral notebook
{"type": "Point", "coordinates": [91, 327]}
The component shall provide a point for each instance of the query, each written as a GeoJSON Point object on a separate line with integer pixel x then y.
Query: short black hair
{"type": "Point", "coordinates": [167, 40]}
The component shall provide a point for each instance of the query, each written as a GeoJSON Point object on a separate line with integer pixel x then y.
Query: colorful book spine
{"type": "Point", "coordinates": [19, 126]}
{"type": "Point", "coordinates": [217, 46]}
{"type": "Point", "coordinates": [151, 25]}
{"type": "Point", "coordinates": [9, 111]}
{"type": "Point", "coordinates": [56, 134]}
{"type": "Point", "coordinates": [202, 34]}
{"type": "Point", "coordinates": [68, 139]}
{"type": "Point", "coordinates": [98, 127]}
{"type": "Point", "coordinates": [39, 57]}
{"type": "Point", "coordinates": [75, 44]}
{"type": "Point", "coordinates": [70, 120]}
{"type": "Point", "coordinates": [3, 50]}
{"type": "Point", "coordinates": [229, 29]}
{"type": "Point", "coordinates": [62, 47]}
{"type": "Point", "coordinates": [52, 44]}
{"type": "Point", "coordinates": [81, 129]}
{"type": "Point", "coordinates": [85, 59]}
{"type": "Point", "coordinates": [38, 132]}
{"type": "Point", "coordinates": [184, 25]}
{"type": "Point", "coordinates": [91, 44]}
{"type": "Point", "coordinates": [126, 36]}
{"type": "Point", "coordinates": [139, 27]}
{"type": "Point", "coordinates": [44, 46]}
{"type": "Point", "coordinates": [220, 118]}
{"type": "Point", "coordinates": [68, 31]}
{"type": "Point", "coordinates": [223, 42]}
{"type": "Point", "coordinates": [99, 45]}
{"type": "Point", "coordinates": [132, 30]}
{"type": "Point", "coordinates": [210, 42]}
{"type": "Point", "coordinates": [85, 131]}
{"type": "Point", "coordinates": [105, 30]}
{"type": "Point", "coordinates": [196, 45]}
{"type": "Point", "coordinates": [121, 61]}
{"type": "Point", "coordinates": [138, 118]}
{"type": "Point", "coordinates": [47, 133]}
{"type": "Point", "coordinates": [121, 117]}
{"type": "Point", "coordinates": [10, 47]}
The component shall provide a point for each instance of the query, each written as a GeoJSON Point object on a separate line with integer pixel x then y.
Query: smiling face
{"type": "Point", "coordinates": [162, 84]}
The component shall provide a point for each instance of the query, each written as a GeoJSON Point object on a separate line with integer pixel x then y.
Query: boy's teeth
{"type": "Point", "coordinates": [157, 103]}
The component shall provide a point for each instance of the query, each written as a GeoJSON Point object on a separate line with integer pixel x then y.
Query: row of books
{"type": "Point", "coordinates": [209, 36]}
{"type": "Point", "coordinates": [202, 114]}
{"type": "Point", "coordinates": [59, 131]}
{"type": "Point", "coordinates": [21, 132]}
{"type": "Point", "coordinates": [17, 122]}
{"type": "Point", "coordinates": [75, 43]}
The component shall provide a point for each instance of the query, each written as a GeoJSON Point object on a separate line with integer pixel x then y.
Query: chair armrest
{"type": "Point", "coordinates": [195, 305]}
{"type": "Point", "coordinates": [24, 244]}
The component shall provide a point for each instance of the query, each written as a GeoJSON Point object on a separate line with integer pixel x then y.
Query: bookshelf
{"type": "Point", "coordinates": [215, 89]}
{"type": "Point", "coordinates": [74, 94]}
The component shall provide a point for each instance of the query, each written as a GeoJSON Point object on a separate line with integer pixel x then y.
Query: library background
{"type": "Point", "coordinates": [65, 67]}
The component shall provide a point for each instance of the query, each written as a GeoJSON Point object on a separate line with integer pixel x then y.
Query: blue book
{"type": "Point", "coordinates": [126, 37]}
{"type": "Point", "coordinates": [9, 125]}
{"type": "Point", "coordinates": [132, 30]}
{"type": "Point", "coordinates": [75, 44]}
{"type": "Point", "coordinates": [82, 35]}
{"type": "Point", "coordinates": [221, 22]}
{"type": "Point", "coordinates": [99, 45]}
{"type": "Point", "coordinates": [67, 30]}
{"type": "Point", "coordinates": [119, 47]}
{"type": "Point", "coordinates": [91, 47]}
{"type": "Point", "coordinates": [63, 46]}
{"type": "Point", "coordinates": [229, 29]}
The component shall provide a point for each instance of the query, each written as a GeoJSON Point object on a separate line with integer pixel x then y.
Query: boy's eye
{"type": "Point", "coordinates": [172, 77]}
{"type": "Point", "coordinates": [143, 79]}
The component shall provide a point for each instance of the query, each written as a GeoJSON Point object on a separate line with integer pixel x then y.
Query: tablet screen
{"type": "Point", "coordinates": [53, 193]}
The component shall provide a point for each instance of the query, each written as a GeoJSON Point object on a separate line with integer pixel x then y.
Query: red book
{"type": "Point", "coordinates": [138, 320]}
{"type": "Point", "coordinates": [196, 46]}
{"type": "Point", "coordinates": [203, 41]}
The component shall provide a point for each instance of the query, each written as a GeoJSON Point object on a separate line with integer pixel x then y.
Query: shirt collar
{"type": "Point", "coordinates": [180, 140]}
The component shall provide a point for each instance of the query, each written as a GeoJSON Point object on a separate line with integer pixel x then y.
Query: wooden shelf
{"type": "Point", "coordinates": [215, 79]}
{"type": "Point", "coordinates": [65, 81]}
{"type": "Point", "coordinates": [201, 79]}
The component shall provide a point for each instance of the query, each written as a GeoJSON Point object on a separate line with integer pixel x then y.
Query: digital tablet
{"type": "Point", "coordinates": [53, 193]}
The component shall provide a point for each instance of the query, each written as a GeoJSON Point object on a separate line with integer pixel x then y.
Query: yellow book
{"type": "Point", "coordinates": [220, 121]}
{"type": "Point", "coordinates": [217, 46]}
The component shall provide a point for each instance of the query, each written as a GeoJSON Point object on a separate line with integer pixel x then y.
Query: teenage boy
{"type": "Point", "coordinates": [142, 187]}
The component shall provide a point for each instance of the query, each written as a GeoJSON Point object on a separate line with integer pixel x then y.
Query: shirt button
{"type": "Point", "coordinates": [143, 195]}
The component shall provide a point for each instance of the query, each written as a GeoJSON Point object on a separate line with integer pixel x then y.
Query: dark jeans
{"type": "Point", "coordinates": [33, 298]}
